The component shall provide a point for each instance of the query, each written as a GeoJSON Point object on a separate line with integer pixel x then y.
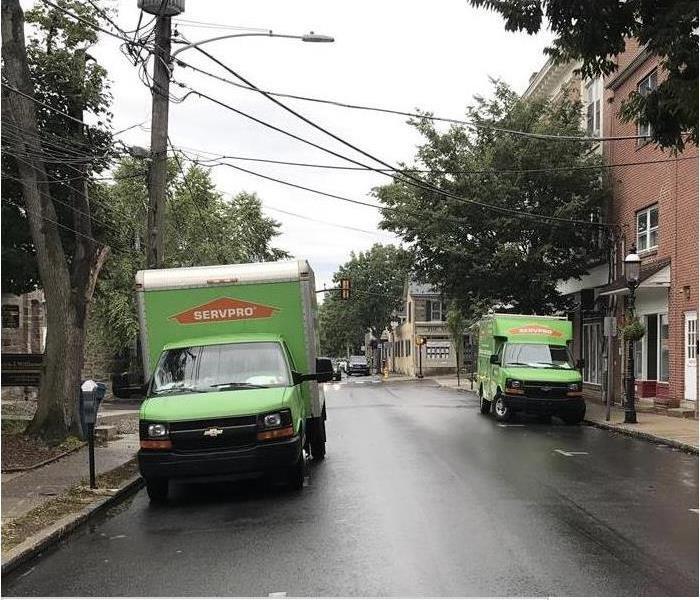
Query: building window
{"type": "Point", "coordinates": [438, 352]}
{"type": "Point", "coordinates": [592, 355]}
{"type": "Point", "coordinates": [434, 310]}
{"type": "Point", "coordinates": [408, 347]}
{"type": "Point", "coordinates": [409, 312]}
{"type": "Point", "coordinates": [593, 95]}
{"type": "Point", "coordinates": [648, 228]}
{"type": "Point", "coordinates": [663, 347]}
{"type": "Point", "coordinates": [645, 87]}
{"type": "Point", "coordinates": [10, 316]}
{"type": "Point", "coordinates": [639, 359]}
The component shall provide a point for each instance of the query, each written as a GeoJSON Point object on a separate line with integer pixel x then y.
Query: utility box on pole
{"type": "Point", "coordinates": [165, 8]}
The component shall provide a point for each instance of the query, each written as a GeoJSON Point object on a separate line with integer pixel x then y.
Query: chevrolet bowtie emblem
{"type": "Point", "coordinates": [213, 432]}
{"type": "Point", "coordinates": [546, 388]}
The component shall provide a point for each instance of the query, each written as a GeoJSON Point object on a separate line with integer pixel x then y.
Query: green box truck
{"type": "Point", "coordinates": [233, 391]}
{"type": "Point", "coordinates": [525, 366]}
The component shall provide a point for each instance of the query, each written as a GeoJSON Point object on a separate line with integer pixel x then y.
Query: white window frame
{"type": "Point", "coordinates": [645, 86]}
{"type": "Point", "coordinates": [592, 353]}
{"type": "Point", "coordinates": [646, 233]}
{"type": "Point", "coordinates": [430, 311]}
{"type": "Point", "coordinates": [661, 317]}
{"type": "Point", "coordinates": [593, 114]}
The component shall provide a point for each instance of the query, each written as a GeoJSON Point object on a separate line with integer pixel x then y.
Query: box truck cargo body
{"type": "Point", "coordinates": [231, 352]}
{"type": "Point", "coordinates": [525, 366]}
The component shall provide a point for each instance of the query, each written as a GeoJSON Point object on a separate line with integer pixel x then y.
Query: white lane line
{"type": "Point", "coordinates": [277, 595]}
{"type": "Point", "coordinates": [510, 425]}
{"type": "Point", "coordinates": [117, 537]}
{"type": "Point", "coordinates": [569, 452]}
{"type": "Point", "coordinates": [695, 510]}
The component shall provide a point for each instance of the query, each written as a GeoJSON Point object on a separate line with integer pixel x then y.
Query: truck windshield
{"type": "Point", "coordinates": [542, 356]}
{"type": "Point", "coordinates": [221, 367]}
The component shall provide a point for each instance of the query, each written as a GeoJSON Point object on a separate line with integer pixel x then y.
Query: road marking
{"type": "Point", "coordinates": [117, 537]}
{"type": "Point", "coordinates": [569, 452]}
{"type": "Point", "coordinates": [695, 510]}
{"type": "Point", "coordinates": [510, 425]}
{"type": "Point", "coordinates": [277, 595]}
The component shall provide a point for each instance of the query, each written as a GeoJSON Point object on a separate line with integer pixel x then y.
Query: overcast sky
{"type": "Point", "coordinates": [400, 54]}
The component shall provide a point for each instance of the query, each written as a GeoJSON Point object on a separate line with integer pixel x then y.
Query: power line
{"type": "Point", "coordinates": [217, 157]}
{"type": "Point", "coordinates": [420, 184]}
{"type": "Point", "coordinates": [329, 223]}
{"type": "Point", "coordinates": [470, 124]}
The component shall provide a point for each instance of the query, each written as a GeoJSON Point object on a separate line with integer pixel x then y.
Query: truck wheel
{"type": "Point", "coordinates": [296, 473]}
{"type": "Point", "coordinates": [157, 490]}
{"type": "Point", "coordinates": [573, 418]}
{"type": "Point", "coordinates": [318, 443]}
{"type": "Point", "coordinates": [484, 404]}
{"type": "Point", "coordinates": [503, 413]}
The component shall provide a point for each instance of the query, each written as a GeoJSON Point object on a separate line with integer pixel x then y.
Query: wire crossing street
{"type": "Point", "coordinates": [419, 495]}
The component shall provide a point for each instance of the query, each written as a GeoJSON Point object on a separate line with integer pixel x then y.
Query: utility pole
{"type": "Point", "coordinates": [160, 92]}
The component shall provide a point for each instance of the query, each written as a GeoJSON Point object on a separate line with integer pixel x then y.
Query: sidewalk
{"type": "Point", "coordinates": [23, 491]}
{"type": "Point", "coordinates": [674, 431]}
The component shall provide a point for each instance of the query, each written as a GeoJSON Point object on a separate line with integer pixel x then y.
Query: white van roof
{"type": "Point", "coordinates": [190, 277]}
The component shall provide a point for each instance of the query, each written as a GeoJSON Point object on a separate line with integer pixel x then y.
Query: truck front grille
{"type": "Point", "coordinates": [543, 389]}
{"type": "Point", "coordinates": [213, 434]}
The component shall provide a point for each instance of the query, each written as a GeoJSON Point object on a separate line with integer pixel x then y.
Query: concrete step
{"type": "Point", "coordinates": [683, 413]}
{"type": "Point", "coordinates": [104, 433]}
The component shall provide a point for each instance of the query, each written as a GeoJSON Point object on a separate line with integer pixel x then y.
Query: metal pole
{"type": "Point", "coordinates": [630, 412]}
{"type": "Point", "coordinates": [420, 362]}
{"type": "Point", "coordinates": [91, 454]}
{"type": "Point", "coordinates": [159, 144]}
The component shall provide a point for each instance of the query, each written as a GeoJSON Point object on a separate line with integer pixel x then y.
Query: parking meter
{"type": "Point", "coordinates": [91, 394]}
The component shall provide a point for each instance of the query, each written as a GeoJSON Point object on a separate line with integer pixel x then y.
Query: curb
{"type": "Point", "coordinates": [47, 537]}
{"type": "Point", "coordinates": [643, 435]}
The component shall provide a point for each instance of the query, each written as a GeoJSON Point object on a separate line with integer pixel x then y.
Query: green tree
{"type": "Point", "coordinates": [202, 228]}
{"type": "Point", "coordinates": [50, 86]}
{"type": "Point", "coordinates": [472, 252]}
{"type": "Point", "coordinates": [595, 31]}
{"type": "Point", "coordinates": [377, 278]}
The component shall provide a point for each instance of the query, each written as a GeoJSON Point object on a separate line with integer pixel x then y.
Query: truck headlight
{"type": "Point", "coordinates": [574, 388]}
{"type": "Point", "coordinates": [157, 430]}
{"type": "Point", "coordinates": [275, 425]}
{"type": "Point", "coordinates": [514, 386]}
{"type": "Point", "coordinates": [273, 420]}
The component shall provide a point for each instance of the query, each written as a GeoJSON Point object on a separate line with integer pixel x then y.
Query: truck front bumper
{"type": "Point", "coordinates": [253, 461]}
{"type": "Point", "coordinates": [545, 406]}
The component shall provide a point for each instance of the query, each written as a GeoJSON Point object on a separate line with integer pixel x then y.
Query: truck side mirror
{"type": "Point", "coordinates": [493, 359]}
{"type": "Point", "coordinates": [324, 370]}
{"type": "Point", "coordinates": [580, 364]}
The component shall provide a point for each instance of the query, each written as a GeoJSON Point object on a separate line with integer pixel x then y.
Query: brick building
{"type": "Point", "coordinates": [655, 207]}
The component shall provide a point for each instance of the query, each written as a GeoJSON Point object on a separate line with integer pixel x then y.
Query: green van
{"type": "Point", "coordinates": [525, 366]}
{"type": "Point", "coordinates": [234, 377]}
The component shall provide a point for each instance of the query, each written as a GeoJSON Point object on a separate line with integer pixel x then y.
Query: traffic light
{"type": "Point", "coordinates": [345, 288]}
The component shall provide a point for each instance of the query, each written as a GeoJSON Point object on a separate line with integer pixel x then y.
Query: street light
{"type": "Point", "coordinates": [309, 37]}
{"type": "Point", "coordinates": [632, 271]}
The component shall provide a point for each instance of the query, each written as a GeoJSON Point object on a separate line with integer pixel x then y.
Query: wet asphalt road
{"type": "Point", "coordinates": [420, 495]}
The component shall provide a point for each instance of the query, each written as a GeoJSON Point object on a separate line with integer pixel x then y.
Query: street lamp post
{"type": "Point", "coordinates": [632, 270]}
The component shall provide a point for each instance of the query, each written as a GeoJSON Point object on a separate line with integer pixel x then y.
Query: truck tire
{"type": "Point", "coordinates": [318, 441]}
{"type": "Point", "coordinates": [574, 417]}
{"type": "Point", "coordinates": [503, 413]}
{"type": "Point", "coordinates": [157, 490]}
{"type": "Point", "coordinates": [484, 404]}
{"type": "Point", "coordinates": [296, 474]}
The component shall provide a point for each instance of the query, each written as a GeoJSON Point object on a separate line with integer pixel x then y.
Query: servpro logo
{"type": "Point", "coordinates": [225, 309]}
{"type": "Point", "coordinates": [534, 329]}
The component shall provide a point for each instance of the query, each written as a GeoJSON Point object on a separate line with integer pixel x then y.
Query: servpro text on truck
{"type": "Point", "coordinates": [525, 366]}
{"type": "Point", "coordinates": [231, 352]}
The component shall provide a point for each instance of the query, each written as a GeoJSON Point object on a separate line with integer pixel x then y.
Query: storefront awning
{"type": "Point", "coordinates": [652, 275]}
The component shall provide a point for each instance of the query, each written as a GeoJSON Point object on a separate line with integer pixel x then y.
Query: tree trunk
{"type": "Point", "coordinates": [457, 359]}
{"type": "Point", "coordinates": [67, 289]}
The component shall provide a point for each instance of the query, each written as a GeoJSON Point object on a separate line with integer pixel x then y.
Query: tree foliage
{"type": "Point", "coordinates": [67, 79]}
{"type": "Point", "coordinates": [377, 279]}
{"type": "Point", "coordinates": [202, 228]}
{"type": "Point", "coordinates": [478, 255]}
{"type": "Point", "coordinates": [595, 31]}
